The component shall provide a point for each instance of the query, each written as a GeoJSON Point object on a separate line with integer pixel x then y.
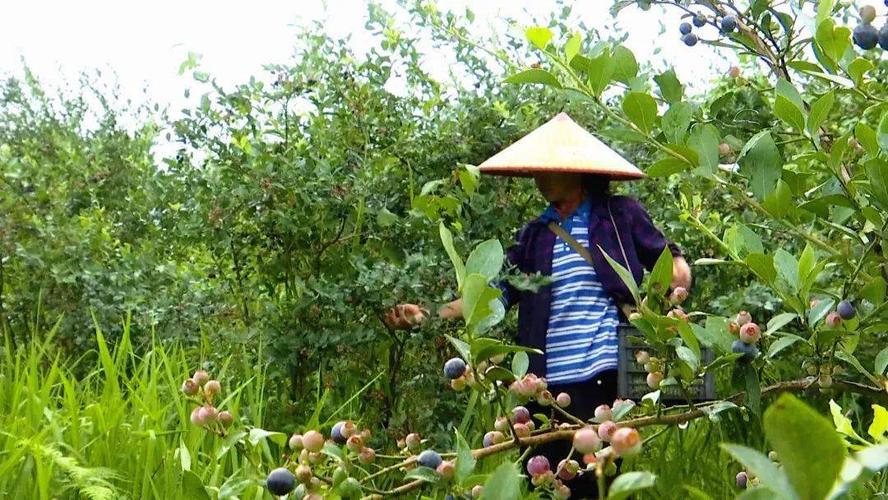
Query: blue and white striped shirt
{"type": "Point", "coordinates": [581, 340]}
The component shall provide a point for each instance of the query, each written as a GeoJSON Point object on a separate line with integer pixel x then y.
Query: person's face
{"type": "Point", "coordinates": [558, 186]}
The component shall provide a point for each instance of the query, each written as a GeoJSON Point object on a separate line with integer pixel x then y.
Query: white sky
{"type": "Point", "coordinates": [144, 42]}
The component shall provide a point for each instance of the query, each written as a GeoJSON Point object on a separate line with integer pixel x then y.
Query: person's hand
{"type": "Point", "coordinates": [404, 316]}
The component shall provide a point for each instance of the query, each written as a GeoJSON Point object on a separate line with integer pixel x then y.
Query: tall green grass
{"type": "Point", "coordinates": [120, 427]}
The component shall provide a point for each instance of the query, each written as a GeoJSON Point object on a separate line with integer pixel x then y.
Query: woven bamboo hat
{"type": "Point", "coordinates": [560, 145]}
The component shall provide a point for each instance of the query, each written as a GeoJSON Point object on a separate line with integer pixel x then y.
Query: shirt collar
{"type": "Point", "coordinates": [551, 213]}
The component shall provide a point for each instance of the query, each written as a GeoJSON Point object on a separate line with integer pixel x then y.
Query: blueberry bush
{"type": "Point", "coordinates": [211, 327]}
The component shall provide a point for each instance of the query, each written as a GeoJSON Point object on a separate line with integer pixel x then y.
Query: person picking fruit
{"type": "Point", "coordinates": [573, 320]}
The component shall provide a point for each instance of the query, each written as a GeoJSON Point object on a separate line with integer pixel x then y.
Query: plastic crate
{"type": "Point", "coordinates": [632, 378]}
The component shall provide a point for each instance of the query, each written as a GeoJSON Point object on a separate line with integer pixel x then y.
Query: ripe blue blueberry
{"type": "Point", "coordinates": [866, 36]}
{"type": "Point", "coordinates": [749, 351]}
{"type": "Point", "coordinates": [728, 24]}
{"type": "Point", "coordinates": [336, 433]}
{"type": "Point", "coordinates": [454, 368]}
{"type": "Point", "coordinates": [690, 39]}
{"type": "Point", "coordinates": [684, 28]}
{"type": "Point", "coordinates": [883, 36]}
{"type": "Point", "coordinates": [699, 20]}
{"type": "Point", "coordinates": [429, 458]}
{"type": "Point", "coordinates": [846, 308]}
{"type": "Point", "coordinates": [280, 481]}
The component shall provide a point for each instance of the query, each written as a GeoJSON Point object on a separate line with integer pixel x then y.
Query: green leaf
{"type": "Point", "coordinates": [779, 201]}
{"type": "Point", "coordinates": [786, 90]}
{"type": "Point", "coordinates": [486, 259]}
{"type": "Point", "coordinates": [184, 456]}
{"type": "Point", "coordinates": [819, 310]}
{"type": "Point", "coordinates": [600, 70]}
{"type": "Point", "coordinates": [833, 41]}
{"type": "Point", "coordinates": [661, 275]}
{"type": "Point", "coordinates": [877, 173]}
{"type": "Point", "coordinates": [866, 136]}
{"type": "Point", "coordinates": [192, 487]}
{"type": "Point", "coordinates": [704, 140]}
{"type": "Point", "coordinates": [461, 347]}
{"type": "Point", "coordinates": [879, 427]}
{"type": "Point", "coordinates": [753, 396]}
{"type": "Point", "coordinates": [763, 266]}
{"type": "Point", "coordinates": [881, 362]}
{"type": "Point", "coordinates": [477, 295]}
{"type": "Point", "coordinates": [503, 484]}
{"type": "Point", "coordinates": [469, 178]}
{"type": "Point", "coordinates": [670, 88]}
{"type": "Point", "coordinates": [676, 121]}
{"type": "Point", "coordinates": [760, 160]}
{"type": "Point", "coordinates": [630, 482]}
{"type": "Point", "coordinates": [714, 334]}
{"type": "Point", "coordinates": [258, 435]}
{"type": "Point", "coordinates": [688, 357]}
{"type": "Point", "coordinates": [809, 449]}
{"type": "Point", "coordinates": [789, 113]}
{"type": "Point", "coordinates": [572, 47]}
{"type": "Point", "coordinates": [851, 360]}
{"type": "Point", "coordinates": [763, 468]}
{"type": "Point", "coordinates": [458, 266]}
{"type": "Point", "coordinates": [539, 36]}
{"type": "Point", "coordinates": [882, 134]}
{"type": "Point", "coordinates": [333, 451]}
{"type": "Point", "coordinates": [787, 270]}
{"type": "Point", "coordinates": [465, 462]}
{"type": "Point", "coordinates": [782, 343]}
{"type": "Point", "coordinates": [666, 167]}
{"type": "Point", "coordinates": [624, 275]}
{"type": "Point", "coordinates": [743, 240]}
{"type": "Point", "coordinates": [820, 111]}
{"type": "Point", "coordinates": [625, 66]}
{"type": "Point", "coordinates": [779, 321]}
{"type": "Point", "coordinates": [534, 75]}
{"type": "Point", "coordinates": [842, 423]}
{"type": "Point", "coordinates": [423, 474]}
{"type": "Point", "coordinates": [520, 363]}
{"type": "Point", "coordinates": [641, 109]}
{"type": "Point", "coordinates": [858, 68]}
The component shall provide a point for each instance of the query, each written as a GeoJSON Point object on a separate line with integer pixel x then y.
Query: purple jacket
{"type": "Point", "coordinates": [532, 253]}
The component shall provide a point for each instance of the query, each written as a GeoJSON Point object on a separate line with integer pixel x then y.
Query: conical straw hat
{"type": "Point", "coordinates": [560, 145]}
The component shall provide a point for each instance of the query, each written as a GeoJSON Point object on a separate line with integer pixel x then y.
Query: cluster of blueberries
{"type": "Point", "coordinates": [865, 35]}
{"type": "Point", "coordinates": [727, 25]}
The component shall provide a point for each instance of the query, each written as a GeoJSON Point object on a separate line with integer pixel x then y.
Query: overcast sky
{"type": "Point", "coordinates": [144, 42]}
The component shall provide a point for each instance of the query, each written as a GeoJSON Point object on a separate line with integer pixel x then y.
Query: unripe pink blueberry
{"type": "Point", "coordinates": [626, 441]}
{"type": "Point", "coordinates": [225, 418]}
{"type": "Point", "coordinates": [208, 414]}
{"type": "Point", "coordinates": [562, 400]}
{"type": "Point", "coordinates": [355, 443]}
{"type": "Point", "coordinates": [520, 415]}
{"type": "Point", "coordinates": [741, 479]}
{"type": "Point", "coordinates": [603, 412]}
{"type": "Point", "coordinates": [348, 429]}
{"type": "Point", "coordinates": [606, 430]}
{"type": "Point", "coordinates": [413, 441]}
{"type": "Point", "coordinates": [544, 479]}
{"type": "Point", "coordinates": [562, 492]}
{"type": "Point", "coordinates": [446, 469]}
{"type": "Point", "coordinates": [493, 437]}
{"type": "Point", "coordinates": [295, 442]}
{"type": "Point", "coordinates": [733, 72]}
{"type": "Point", "coordinates": [458, 384]}
{"type": "Point", "coordinates": [315, 457]}
{"type": "Point", "coordinates": [313, 441]}
{"type": "Point", "coordinates": [303, 474]}
{"type": "Point", "coordinates": [679, 295]}
{"type": "Point", "coordinates": [545, 398]}
{"type": "Point", "coordinates": [521, 430]}
{"type": "Point", "coordinates": [833, 320]}
{"type": "Point", "coordinates": [742, 318]}
{"type": "Point", "coordinates": [642, 357]}
{"type": "Point", "coordinates": [653, 380]}
{"type": "Point", "coordinates": [212, 387]}
{"type": "Point", "coordinates": [501, 424]}
{"type": "Point", "coordinates": [367, 456]}
{"type": "Point", "coordinates": [197, 418]}
{"type": "Point", "coordinates": [477, 490]}
{"type": "Point", "coordinates": [734, 328]}
{"type": "Point", "coordinates": [537, 465]}
{"type": "Point", "coordinates": [586, 440]}
{"type": "Point", "coordinates": [201, 377]}
{"type": "Point", "coordinates": [750, 333]}
{"type": "Point", "coordinates": [677, 314]}
{"type": "Point", "coordinates": [567, 469]}
{"type": "Point", "coordinates": [190, 387]}
{"type": "Point", "coordinates": [530, 425]}
{"type": "Point", "coordinates": [635, 316]}
{"type": "Point", "coordinates": [541, 385]}
{"type": "Point", "coordinates": [589, 459]}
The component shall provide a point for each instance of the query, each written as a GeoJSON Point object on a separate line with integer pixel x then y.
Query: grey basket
{"type": "Point", "coordinates": [632, 378]}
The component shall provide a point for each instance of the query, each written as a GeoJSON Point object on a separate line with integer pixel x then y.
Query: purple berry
{"type": "Point", "coordinates": [728, 24]}
{"type": "Point", "coordinates": [846, 308]}
{"type": "Point", "coordinates": [865, 36]}
{"type": "Point", "coordinates": [520, 415]}
{"type": "Point", "coordinates": [430, 459]}
{"type": "Point", "coordinates": [749, 351]}
{"type": "Point", "coordinates": [454, 368]}
{"type": "Point", "coordinates": [280, 482]}
{"type": "Point", "coordinates": [336, 433]}
{"type": "Point", "coordinates": [538, 465]}
{"type": "Point", "coordinates": [684, 28]}
{"type": "Point", "coordinates": [699, 20]}
{"type": "Point", "coordinates": [690, 39]}
{"type": "Point", "coordinates": [741, 479]}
